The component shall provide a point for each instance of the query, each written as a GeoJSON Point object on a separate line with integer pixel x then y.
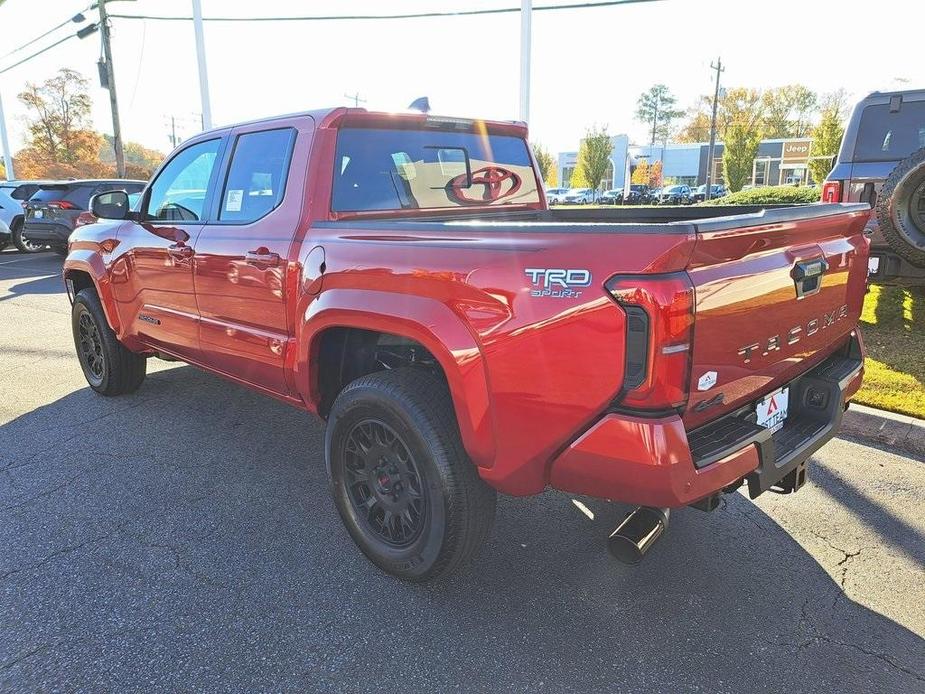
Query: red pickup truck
{"type": "Point", "coordinates": [401, 277]}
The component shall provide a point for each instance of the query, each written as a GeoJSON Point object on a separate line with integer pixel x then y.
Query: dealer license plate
{"type": "Point", "coordinates": [772, 411]}
{"type": "Point", "coordinates": [37, 214]}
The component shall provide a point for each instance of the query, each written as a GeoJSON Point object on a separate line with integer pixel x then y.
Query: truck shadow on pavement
{"type": "Point", "coordinates": [184, 537]}
{"type": "Point", "coordinates": [15, 266]}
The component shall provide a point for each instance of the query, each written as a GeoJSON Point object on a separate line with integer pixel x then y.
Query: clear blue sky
{"type": "Point", "coordinates": [589, 65]}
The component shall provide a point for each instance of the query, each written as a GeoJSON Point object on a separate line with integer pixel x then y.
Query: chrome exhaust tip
{"type": "Point", "coordinates": [635, 536]}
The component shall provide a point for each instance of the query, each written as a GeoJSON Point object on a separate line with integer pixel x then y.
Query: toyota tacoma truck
{"type": "Point", "coordinates": [401, 277]}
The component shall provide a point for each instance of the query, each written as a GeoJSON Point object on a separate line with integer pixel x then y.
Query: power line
{"type": "Point", "coordinates": [38, 53]}
{"type": "Point", "coordinates": [50, 31]}
{"type": "Point", "coordinates": [412, 15]}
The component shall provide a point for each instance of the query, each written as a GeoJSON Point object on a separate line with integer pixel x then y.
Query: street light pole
{"type": "Point", "coordinates": [719, 69]}
{"type": "Point", "coordinates": [111, 85]}
{"type": "Point", "coordinates": [203, 71]}
{"type": "Point", "coordinates": [5, 143]}
{"type": "Point", "coordinates": [526, 12]}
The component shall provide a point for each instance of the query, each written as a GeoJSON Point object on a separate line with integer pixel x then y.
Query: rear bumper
{"type": "Point", "coordinates": [47, 233]}
{"type": "Point", "coordinates": [656, 462]}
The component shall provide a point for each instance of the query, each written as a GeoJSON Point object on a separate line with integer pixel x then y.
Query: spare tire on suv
{"type": "Point", "coordinates": [901, 208]}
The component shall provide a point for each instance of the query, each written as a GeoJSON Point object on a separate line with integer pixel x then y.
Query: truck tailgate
{"type": "Point", "coordinates": [776, 292]}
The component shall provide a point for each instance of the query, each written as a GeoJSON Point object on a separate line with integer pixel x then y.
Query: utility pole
{"type": "Point", "coordinates": [355, 98]}
{"type": "Point", "coordinates": [5, 143]}
{"type": "Point", "coordinates": [655, 118]}
{"type": "Point", "coordinates": [526, 15]}
{"type": "Point", "coordinates": [173, 131]}
{"type": "Point", "coordinates": [111, 85]}
{"type": "Point", "coordinates": [719, 70]}
{"type": "Point", "coordinates": [203, 71]}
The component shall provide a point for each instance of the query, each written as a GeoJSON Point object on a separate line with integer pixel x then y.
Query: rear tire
{"type": "Point", "coordinates": [901, 209]}
{"type": "Point", "coordinates": [404, 487]}
{"type": "Point", "coordinates": [108, 366]}
{"type": "Point", "coordinates": [23, 243]}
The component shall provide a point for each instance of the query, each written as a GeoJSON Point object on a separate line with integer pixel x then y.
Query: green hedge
{"type": "Point", "coordinates": [769, 195]}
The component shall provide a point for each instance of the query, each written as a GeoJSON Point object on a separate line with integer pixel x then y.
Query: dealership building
{"type": "Point", "coordinates": [779, 162]}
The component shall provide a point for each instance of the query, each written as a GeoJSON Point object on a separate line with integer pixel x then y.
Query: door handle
{"type": "Point", "coordinates": [261, 258]}
{"type": "Point", "coordinates": [180, 251]}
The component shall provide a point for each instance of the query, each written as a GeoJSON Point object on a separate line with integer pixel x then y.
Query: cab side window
{"type": "Point", "coordinates": [257, 175]}
{"type": "Point", "coordinates": [178, 194]}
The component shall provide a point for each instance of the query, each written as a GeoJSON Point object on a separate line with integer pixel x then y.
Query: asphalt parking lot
{"type": "Point", "coordinates": [183, 539]}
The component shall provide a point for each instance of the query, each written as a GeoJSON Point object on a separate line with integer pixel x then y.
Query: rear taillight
{"type": "Point", "coordinates": [62, 205]}
{"type": "Point", "coordinates": [659, 325]}
{"type": "Point", "coordinates": [84, 218]}
{"type": "Point", "coordinates": [831, 191]}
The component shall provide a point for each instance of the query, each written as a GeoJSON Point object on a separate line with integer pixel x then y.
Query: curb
{"type": "Point", "coordinates": [900, 431]}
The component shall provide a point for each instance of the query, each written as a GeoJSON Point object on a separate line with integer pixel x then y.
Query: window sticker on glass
{"type": "Point", "coordinates": [452, 162]}
{"type": "Point", "coordinates": [404, 165]}
{"type": "Point", "coordinates": [233, 200]}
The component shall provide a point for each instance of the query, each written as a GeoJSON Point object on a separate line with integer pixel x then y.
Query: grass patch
{"type": "Point", "coordinates": [893, 325]}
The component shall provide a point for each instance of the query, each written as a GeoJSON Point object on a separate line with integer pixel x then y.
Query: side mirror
{"type": "Point", "coordinates": [111, 205]}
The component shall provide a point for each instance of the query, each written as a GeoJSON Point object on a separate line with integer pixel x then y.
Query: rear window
{"type": "Point", "coordinates": [79, 195]}
{"type": "Point", "coordinates": [885, 136]}
{"type": "Point", "coordinates": [379, 169]}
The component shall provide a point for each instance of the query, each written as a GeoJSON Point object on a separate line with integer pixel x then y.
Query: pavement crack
{"type": "Point", "coordinates": [847, 556]}
{"type": "Point", "coordinates": [178, 561]}
{"type": "Point", "coordinates": [874, 654]}
{"type": "Point", "coordinates": [40, 495]}
{"type": "Point", "coordinates": [64, 551]}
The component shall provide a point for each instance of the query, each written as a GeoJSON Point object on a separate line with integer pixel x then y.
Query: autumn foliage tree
{"type": "Point", "coordinates": [827, 136]}
{"type": "Point", "coordinates": [593, 158]}
{"type": "Point", "coordinates": [655, 175]}
{"type": "Point", "coordinates": [543, 159]}
{"type": "Point", "coordinates": [61, 141]}
{"type": "Point", "coordinates": [641, 173]}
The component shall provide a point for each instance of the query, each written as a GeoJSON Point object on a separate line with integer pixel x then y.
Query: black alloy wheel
{"type": "Point", "coordinates": [384, 484]}
{"type": "Point", "coordinates": [90, 349]}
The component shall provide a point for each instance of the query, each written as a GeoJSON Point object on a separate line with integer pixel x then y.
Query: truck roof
{"type": "Point", "coordinates": [338, 114]}
{"type": "Point", "coordinates": [915, 94]}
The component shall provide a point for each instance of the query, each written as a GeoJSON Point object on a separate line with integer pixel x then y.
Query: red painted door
{"type": "Point", "coordinates": [152, 275]}
{"type": "Point", "coordinates": [242, 259]}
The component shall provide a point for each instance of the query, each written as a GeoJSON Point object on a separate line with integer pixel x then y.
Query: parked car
{"type": "Point", "coordinates": [13, 196]}
{"type": "Point", "coordinates": [717, 190]}
{"type": "Point", "coordinates": [4, 235]}
{"type": "Point", "coordinates": [675, 195]}
{"type": "Point", "coordinates": [52, 212]}
{"type": "Point", "coordinates": [657, 363]}
{"type": "Point", "coordinates": [580, 196]}
{"type": "Point", "coordinates": [882, 163]}
{"type": "Point", "coordinates": [640, 194]}
{"type": "Point", "coordinates": [611, 197]}
{"type": "Point", "coordinates": [555, 196]}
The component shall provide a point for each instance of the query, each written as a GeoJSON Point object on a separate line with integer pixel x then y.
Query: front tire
{"type": "Point", "coordinates": [404, 487]}
{"type": "Point", "coordinates": [108, 366]}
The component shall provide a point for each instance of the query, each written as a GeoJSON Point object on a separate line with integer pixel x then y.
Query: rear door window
{"type": "Point", "coordinates": [257, 175]}
{"type": "Point", "coordinates": [885, 136]}
{"type": "Point", "coordinates": [380, 169]}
